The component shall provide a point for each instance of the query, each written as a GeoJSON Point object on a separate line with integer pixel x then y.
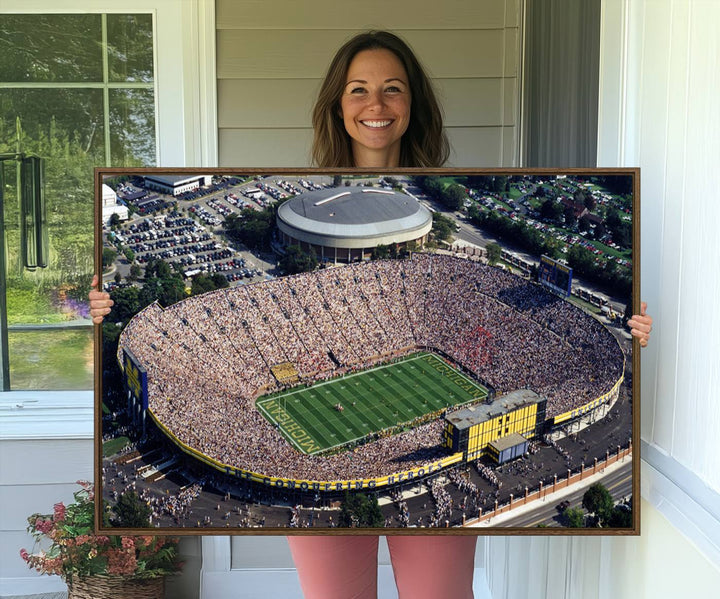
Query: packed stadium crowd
{"type": "Point", "coordinates": [208, 358]}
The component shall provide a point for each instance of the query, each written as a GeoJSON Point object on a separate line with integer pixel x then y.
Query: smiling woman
{"type": "Point", "coordinates": [375, 107]}
{"type": "Point", "coordinates": [363, 114]}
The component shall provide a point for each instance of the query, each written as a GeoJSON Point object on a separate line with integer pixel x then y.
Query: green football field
{"type": "Point", "coordinates": [372, 400]}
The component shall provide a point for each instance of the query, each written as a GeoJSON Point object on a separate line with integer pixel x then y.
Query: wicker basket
{"type": "Point", "coordinates": [116, 587]}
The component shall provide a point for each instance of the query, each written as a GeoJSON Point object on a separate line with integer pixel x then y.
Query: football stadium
{"type": "Point", "coordinates": [366, 375]}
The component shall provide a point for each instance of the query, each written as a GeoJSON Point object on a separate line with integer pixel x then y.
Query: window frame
{"type": "Point", "coordinates": [186, 135]}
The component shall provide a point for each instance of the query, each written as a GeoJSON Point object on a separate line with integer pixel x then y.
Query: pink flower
{"type": "Point", "coordinates": [128, 543]}
{"type": "Point", "coordinates": [44, 526]}
{"type": "Point", "coordinates": [121, 562]}
{"type": "Point", "coordinates": [53, 565]}
{"type": "Point", "coordinates": [24, 555]}
{"type": "Point", "coordinates": [59, 509]}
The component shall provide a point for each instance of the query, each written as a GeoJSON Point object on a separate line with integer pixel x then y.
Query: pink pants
{"type": "Point", "coordinates": [345, 567]}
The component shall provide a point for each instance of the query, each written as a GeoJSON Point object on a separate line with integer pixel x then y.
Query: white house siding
{"type": "Point", "coordinates": [271, 57]}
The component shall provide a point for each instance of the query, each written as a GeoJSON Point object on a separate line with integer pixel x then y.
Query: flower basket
{"type": "Point", "coordinates": [116, 587]}
{"type": "Point", "coordinates": [100, 566]}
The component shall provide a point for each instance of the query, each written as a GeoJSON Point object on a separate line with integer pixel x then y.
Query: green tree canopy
{"type": "Point", "coordinates": [202, 283]}
{"type": "Point", "coordinates": [360, 510]}
{"type": "Point", "coordinates": [453, 196]}
{"type": "Point", "coordinates": [251, 227]}
{"type": "Point", "coordinates": [442, 227]}
{"type": "Point", "coordinates": [297, 260]}
{"type": "Point", "coordinates": [494, 252]}
{"type": "Point", "coordinates": [108, 257]}
{"type": "Point", "coordinates": [597, 500]}
{"type": "Point", "coordinates": [131, 511]}
{"type": "Point", "coordinates": [574, 517]}
{"type": "Point", "coordinates": [620, 517]}
{"type": "Point", "coordinates": [551, 210]}
{"type": "Point", "coordinates": [380, 252]}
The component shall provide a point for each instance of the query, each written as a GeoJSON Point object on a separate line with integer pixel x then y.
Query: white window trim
{"type": "Point", "coordinates": [683, 498]}
{"type": "Point", "coordinates": [186, 107]}
{"type": "Point", "coordinates": [46, 415]}
{"type": "Point", "coordinates": [186, 124]}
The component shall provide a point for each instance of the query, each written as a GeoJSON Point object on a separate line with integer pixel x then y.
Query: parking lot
{"type": "Point", "coordinates": [187, 230]}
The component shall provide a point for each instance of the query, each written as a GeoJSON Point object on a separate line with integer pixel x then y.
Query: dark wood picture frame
{"type": "Point", "coordinates": [516, 370]}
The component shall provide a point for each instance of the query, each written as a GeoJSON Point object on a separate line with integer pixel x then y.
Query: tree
{"type": "Point", "coordinates": [453, 196]}
{"type": "Point", "coordinates": [380, 252]}
{"type": "Point", "coordinates": [551, 210]}
{"type": "Point", "coordinates": [590, 202]}
{"type": "Point", "coordinates": [392, 182]}
{"type": "Point", "coordinates": [494, 253]}
{"type": "Point", "coordinates": [337, 180]}
{"type": "Point", "coordinates": [297, 260]}
{"type": "Point", "coordinates": [201, 283]}
{"type": "Point", "coordinates": [117, 277]}
{"type": "Point", "coordinates": [620, 517]}
{"type": "Point", "coordinates": [129, 254]}
{"type": "Point", "coordinates": [581, 259]}
{"type": "Point", "coordinates": [131, 511]}
{"type": "Point", "coordinates": [584, 224]}
{"type": "Point", "coordinates": [361, 511]}
{"type": "Point", "coordinates": [597, 500]}
{"type": "Point", "coordinates": [167, 288]}
{"type": "Point", "coordinates": [114, 220]}
{"type": "Point", "coordinates": [569, 214]}
{"type": "Point", "coordinates": [442, 228]}
{"type": "Point", "coordinates": [411, 246]}
{"type": "Point", "coordinates": [599, 230]}
{"type": "Point", "coordinates": [220, 281]}
{"type": "Point", "coordinates": [108, 257]}
{"type": "Point", "coordinates": [500, 184]}
{"type": "Point", "coordinates": [127, 304]}
{"type": "Point", "coordinates": [574, 517]}
{"type": "Point", "coordinates": [135, 272]}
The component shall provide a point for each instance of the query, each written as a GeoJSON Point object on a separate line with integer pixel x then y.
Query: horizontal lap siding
{"type": "Point", "coordinates": [271, 60]}
{"type": "Point", "coordinates": [36, 474]}
{"type": "Point", "coordinates": [400, 14]}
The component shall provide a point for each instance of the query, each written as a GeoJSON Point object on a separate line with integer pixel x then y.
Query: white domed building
{"type": "Point", "coordinates": [345, 224]}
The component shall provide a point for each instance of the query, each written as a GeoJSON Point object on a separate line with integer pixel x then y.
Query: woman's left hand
{"type": "Point", "coordinates": [641, 325]}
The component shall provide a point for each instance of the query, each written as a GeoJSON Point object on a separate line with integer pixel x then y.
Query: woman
{"type": "Point", "coordinates": [377, 109]}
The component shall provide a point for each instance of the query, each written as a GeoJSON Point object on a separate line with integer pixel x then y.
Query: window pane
{"type": "Point", "coordinates": [53, 359]}
{"type": "Point", "coordinates": [50, 333]}
{"type": "Point", "coordinates": [132, 127]}
{"type": "Point", "coordinates": [50, 118]}
{"type": "Point", "coordinates": [130, 47]}
{"type": "Point", "coordinates": [65, 128]}
{"type": "Point", "coordinates": [37, 48]}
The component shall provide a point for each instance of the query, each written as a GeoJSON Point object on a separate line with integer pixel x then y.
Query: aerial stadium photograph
{"type": "Point", "coordinates": [432, 352]}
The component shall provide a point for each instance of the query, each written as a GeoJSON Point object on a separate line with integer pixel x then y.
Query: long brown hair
{"type": "Point", "coordinates": [424, 142]}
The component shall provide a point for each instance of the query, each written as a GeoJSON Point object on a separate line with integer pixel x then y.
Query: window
{"type": "Point", "coordinates": [77, 90]}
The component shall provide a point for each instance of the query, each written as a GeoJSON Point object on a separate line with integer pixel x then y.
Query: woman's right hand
{"type": "Point", "coordinates": [100, 302]}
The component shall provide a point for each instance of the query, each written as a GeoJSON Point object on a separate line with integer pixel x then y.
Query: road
{"type": "Point", "coordinates": [617, 481]}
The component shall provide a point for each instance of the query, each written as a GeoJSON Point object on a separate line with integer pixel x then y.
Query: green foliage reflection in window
{"type": "Point", "coordinates": [83, 89]}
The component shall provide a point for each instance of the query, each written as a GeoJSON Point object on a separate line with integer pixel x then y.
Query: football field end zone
{"type": "Point", "coordinates": [294, 432]}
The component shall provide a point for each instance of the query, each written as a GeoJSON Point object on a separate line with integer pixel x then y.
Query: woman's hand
{"type": "Point", "coordinates": [100, 302]}
{"type": "Point", "coordinates": [641, 325]}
